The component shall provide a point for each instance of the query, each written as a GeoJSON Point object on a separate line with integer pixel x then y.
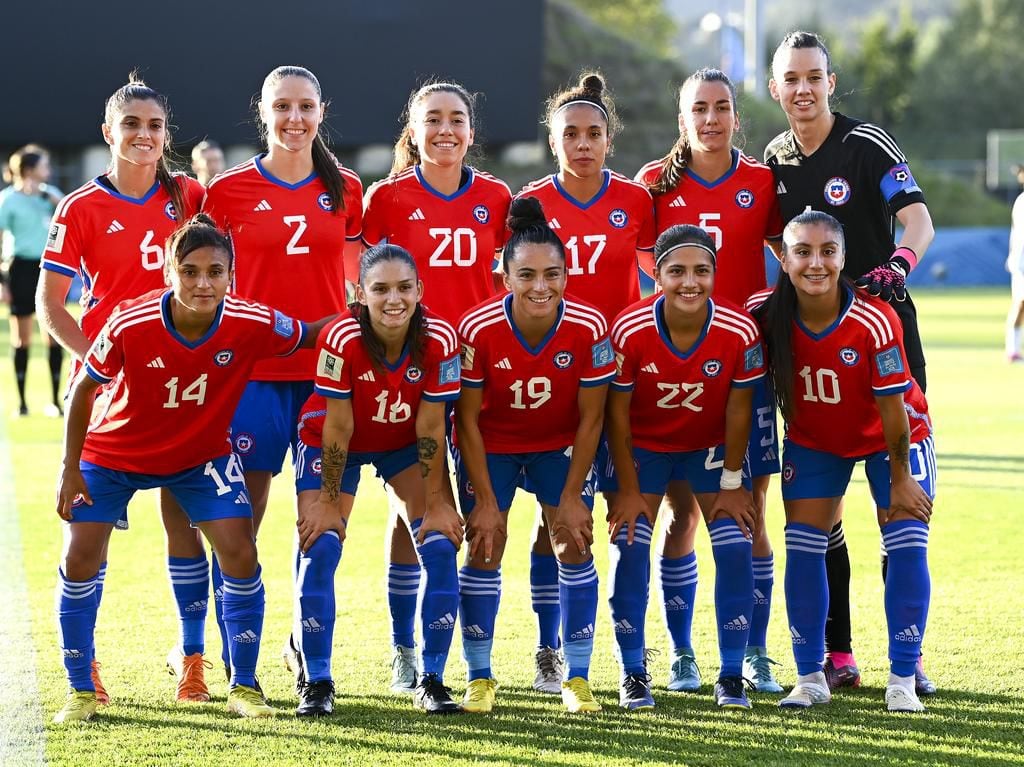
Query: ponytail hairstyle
{"type": "Point", "coordinates": [778, 313]}
{"type": "Point", "coordinates": [325, 164]}
{"type": "Point", "coordinates": [529, 227]}
{"type": "Point", "coordinates": [198, 232]}
{"type": "Point", "coordinates": [416, 335]}
{"type": "Point", "coordinates": [679, 156]}
{"type": "Point", "coordinates": [591, 90]}
{"type": "Point", "coordinates": [801, 39]}
{"type": "Point", "coordinates": [406, 153]}
{"type": "Point", "coordinates": [137, 90]}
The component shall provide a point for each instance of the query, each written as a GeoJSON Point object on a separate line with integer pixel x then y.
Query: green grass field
{"type": "Point", "coordinates": [973, 644]}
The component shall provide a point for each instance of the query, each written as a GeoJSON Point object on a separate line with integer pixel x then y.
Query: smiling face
{"type": "Point", "coordinates": [687, 278]}
{"type": "Point", "coordinates": [201, 279]}
{"type": "Point", "coordinates": [137, 133]}
{"type": "Point", "coordinates": [579, 139]}
{"type": "Point", "coordinates": [291, 111]}
{"type": "Point", "coordinates": [439, 124]}
{"type": "Point", "coordinates": [801, 83]}
{"type": "Point", "coordinates": [707, 116]}
{"type": "Point", "coordinates": [813, 257]}
{"type": "Point", "coordinates": [390, 291]}
{"type": "Point", "coordinates": [536, 279]}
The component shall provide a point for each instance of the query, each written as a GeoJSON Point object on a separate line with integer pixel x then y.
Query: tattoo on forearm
{"type": "Point", "coordinates": [903, 449]}
{"type": "Point", "coordinates": [332, 465]}
{"type": "Point", "coordinates": [427, 449]}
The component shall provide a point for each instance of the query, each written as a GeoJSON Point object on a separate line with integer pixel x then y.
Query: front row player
{"type": "Point", "coordinates": [844, 388]}
{"type": "Point", "coordinates": [536, 369]}
{"type": "Point", "coordinates": [384, 375]}
{"type": "Point", "coordinates": [680, 409]}
{"type": "Point", "coordinates": [176, 362]}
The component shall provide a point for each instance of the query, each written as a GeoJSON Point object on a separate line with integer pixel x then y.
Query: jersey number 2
{"type": "Point", "coordinates": [293, 248]}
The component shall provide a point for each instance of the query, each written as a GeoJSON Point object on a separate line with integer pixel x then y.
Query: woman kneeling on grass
{"type": "Point", "coordinates": [174, 363]}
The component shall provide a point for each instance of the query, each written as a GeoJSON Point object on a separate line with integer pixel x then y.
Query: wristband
{"type": "Point", "coordinates": [731, 480]}
{"type": "Point", "coordinates": [906, 257]}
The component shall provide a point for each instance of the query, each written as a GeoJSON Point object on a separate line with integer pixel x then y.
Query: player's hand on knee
{"type": "Point", "coordinates": [483, 528]}
{"type": "Point", "coordinates": [315, 520]}
{"type": "Point", "coordinates": [441, 517]}
{"type": "Point", "coordinates": [909, 498]}
{"type": "Point", "coordinates": [739, 505]}
{"type": "Point", "coordinates": [626, 509]}
{"type": "Point", "coordinates": [71, 488]}
{"type": "Point", "coordinates": [573, 524]}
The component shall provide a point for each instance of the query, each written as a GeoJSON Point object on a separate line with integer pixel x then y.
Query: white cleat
{"type": "Point", "coordinates": [901, 699]}
{"type": "Point", "coordinates": [810, 690]}
{"type": "Point", "coordinates": [550, 671]}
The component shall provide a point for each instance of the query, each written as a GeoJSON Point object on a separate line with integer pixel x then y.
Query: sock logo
{"type": "Point", "coordinates": [760, 598]}
{"type": "Point", "coordinates": [445, 623]}
{"type": "Point", "coordinates": [246, 637]}
{"type": "Point", "coordinates": [312, 626]}
{"type": "Point", "coordinates": [196, 607]}
{"type": "Point", "coordinates": [74, 654]}
{"type": "Point", "coordinates": [587, 632]}
{"type": "Point", "coordinates": [676, 603]}
{"type": "Point", "coordinates": [909, 634]}
{"type": "Point", "coordinates": [739, 623]}
{"type": "Point", "coordinates": [624, 627]}
{"type": "Point", "coordinates": [218, 594]}
{"type": "Point", "coordinates": [797, 639]}
{"type": "Point", "coordinates": [474, 632]}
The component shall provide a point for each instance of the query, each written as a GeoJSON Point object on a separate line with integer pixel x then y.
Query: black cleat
{"type": "Point", "coordinates": [432, 697]}
{"type": "Point", "coordinates": [316, 698]}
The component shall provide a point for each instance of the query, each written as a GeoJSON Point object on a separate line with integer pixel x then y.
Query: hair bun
{"type": "Point", "coordinates": [592, 85]}
{"type": "Point", "coordinates": [201, 218]}
{"type": "Point", "coordinates": [525, 213]}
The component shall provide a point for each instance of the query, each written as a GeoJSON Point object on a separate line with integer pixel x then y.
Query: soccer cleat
{"type": "Point", "coordinates": [53, 410]}
{"type": "Point", "coordinates": [293, 660]}
{"type": "Point", "coordinates": [900, 699]}
{"type": "Point", "coordinates": [22, 410]}
{"type": "Point", "coordinates": [922, 684]}
{"type": "Point", "coordinates": [635, 692]}
{"type": "Point", "coordinates": [550, 671]}
{"type": "Point", "coordinates": [479, 697]}
{"type": "Point", "coordinates": [102, 699]}
{"type": "Point", "coordinates": [841, 671]}
{"type": "Point", "coordinates": [432, 697]}
{"type": "Point", "coordinates": [80, 706]}
{"type": "Point", "coordinates": [729, 693]}
{"type": "Point", "coordinates": [403, 670]}
{"type": "Point", "coordinates": [248, 702]}
{"type": "Point", "coordinates": [813, 691]}
{"type": "Point", "coordinates": [683, 675]}
{"type": "Point", "coordinates": [757, 667]}
{"type": "Point", "coordinates": [190, 671]}
{"type": "Point", "coordinates": [577, 697]}
{"type": "Point", "coordinates": [315, 698]}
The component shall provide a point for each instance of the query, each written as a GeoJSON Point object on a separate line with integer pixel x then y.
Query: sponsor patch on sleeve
{"type": "Point", "coordinates": [889, 362]}
{"type": "Point", "coordinates": [468, 353]}
{"type": "Point", "coordinates": [283, 325]}
{"type": "Point", "coordinates": [449, 372]}
{"type": "Point", "coordinates": [329, 366]}
{"type": "Point", "coordinates": [753, 358]}
{"type": "Point", "coordinates": [601, 353]}
{"type": "Point", "coordinates": [55, 237]}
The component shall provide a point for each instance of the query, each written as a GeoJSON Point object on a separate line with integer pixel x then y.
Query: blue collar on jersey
{"type": "Point", "coordinates": [532, 350]}
{"type": "Point", "coordinates": [104, 183]}
{"type": "Point", "coordinates": [447, 197]}
{"type": "Point", "coordinates": [402, 360]}
{"type": "Point", "coordinates": [275, 180]}
{"type": "Point", "coordinates": [724, 177]}
{"type": "Point", "coordinates": [843, 309]}
{"type": "Point", "coordinates": [666, 336]}
{"type": "Point", "coordinates": [584, 205]}
{"type": "Point", "coordinates": [165, 313]}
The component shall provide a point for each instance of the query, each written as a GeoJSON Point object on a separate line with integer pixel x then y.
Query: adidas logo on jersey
{"type": "Point", "coordinates": [445, 623]}
{"type": "Point", "coordinates": [367, 376]}
{"type": "Point", "coordinates": [248, 637]}
{"type": "Point", "coordinates": [503, 364]}
{"type": "Point", "coordinates": [624, 627]}
{"type": "Point", "coordinates": [678, 202]}
{"type": "Point", "coordinates": [587, 632]}
{"type": "Point", "coordinates": [115, 226]}
{"type": "Point", "coordinates": [474, 631]}
{"type": "Point", "coordinates": [739, 623]}
{"type": "Point", "coordinates": [797, 639]}
{"type": "Point", "coordinates": [196, 607]}
{"type": "Point", "coordinates": [264, 205]}
{"type": "Point", "coordinates": [417, 215]}
{"type": "Point", "coordinates": [650, 368]}
{"type": "Point", "coordinates": [909, 634]}
{"type": "Point", "coordinates": [155, 363]}
{"type": "Point", "coordinates": [312, 626]}
{"type": "Point", "coordinates": [553, 223]}
{"type": "Point", "coordinates": [780, 188]}
{"type": "Point", "coordinates": [676, 603]}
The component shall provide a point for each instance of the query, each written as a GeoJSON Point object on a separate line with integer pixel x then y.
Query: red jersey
{"type": "Point", "coordinates": [116, 243]}
{"type": "Point", "coordinates": [452, 237]}
{"type": "Point", "coordinates": [840, 371]}
{"type": "Point", "coordinates": [385, 400]}
{"type": "Point", "coordinates": [289, 246]}
{"type": "Point", "coordinates": [172, 400]}
{"type": "Point", "coordinates": [679, 396]}
{"type": "Point", "coordinates": [530, 393]}
{"type": "Point", "coordinates": [739, 210]}
{"type": "Point", "coordinates": [601, 238]}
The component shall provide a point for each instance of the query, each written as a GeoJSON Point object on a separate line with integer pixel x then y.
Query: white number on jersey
{"type": "Point", "coordinates": [463, 242]}
{"type": "Point", "coordinates": [396, 413]}
{"type": "Point", "coordinates": [593, 244]}
{"type": "Point", "coordinates": [823, 386]}
{"type": "Point", "coordinates": [194, 392]}
{"type": "Point", "coordinates": [152, 253]}
{"type": "Point", "coordinates": [713, 229]}
{"type": "Point", "coordinates": [673, 391]}
{"type": "Point", "coordinates": [232, 472]}
{"type": "Point", "coordinates": [538, 389]}
{"type": "Point", "coordinates": [293, 248]}
{"type": "Point", "coordinates": [767, 423]}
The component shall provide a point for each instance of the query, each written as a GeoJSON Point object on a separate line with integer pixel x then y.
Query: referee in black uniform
{"type": "Point", "coordinates": [857, 173]}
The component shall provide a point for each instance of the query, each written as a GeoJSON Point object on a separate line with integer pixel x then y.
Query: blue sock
{"type": "Point", "coordinates": [544, 594]}
{"type": "Point", "coordinates": [577, 593]}
{"type": "Point", "coordinates": [630, 575]}
{"type": "Point", "coordinates": [403, 589]}
{"type": "Point", "coordinates": [907, 592]}
{"type": "Point", "coordinates": [734, 592]}
{"type": "Point", "coordinates": [679, 592]}
{"type": "Point", "coordinates": [101, 577]}
{"type": "Point", "coordinates": [76, 605]}
{"type": "Point", "coordinates": [190, 582]}
{"type": "Point", "coordinates": [806, 594]}
{"type": "Point", "coordinates": [217, 581]}
{"type": "Point", "coordinates": [313, 632]}
{"type": "Point", "coordinates": [244, 601]}
{"type": "Point", "coordinates": [764, 579]}
{"type": "Point", "coordinates": [480, 593]}
{"type": "Point", "coordinates": [440, 603]}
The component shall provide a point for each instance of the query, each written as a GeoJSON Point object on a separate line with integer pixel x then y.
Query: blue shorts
{"type": "Point", "coordinates": [542, 474]}
{"type": "Point", "coordinates": [808, 473]}
{"type": "Point", "coordinates": [266, 421]}
{"type": "Point", "coordinates": [213, 490]}
{"type": "Point", "coordinates": [307, 466]}
{"type": "Point", "coordinates": [701, 468]}
{"type": "Point", "coordinates": [763, 447]}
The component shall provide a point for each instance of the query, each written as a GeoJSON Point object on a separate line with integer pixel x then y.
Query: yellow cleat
{"type": "Point", "coordinates": [577, 697]}
{"type": "Point", "coordinates": [79, 707]}
{"type": "Point", "coordinates": [102, 698]}
{"type": "Point", "coordinates": [248, 702]}
{"type": "Point", "coordinates": [190, 671]}
{"type": "Point", "coordinates": [479, 698]}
